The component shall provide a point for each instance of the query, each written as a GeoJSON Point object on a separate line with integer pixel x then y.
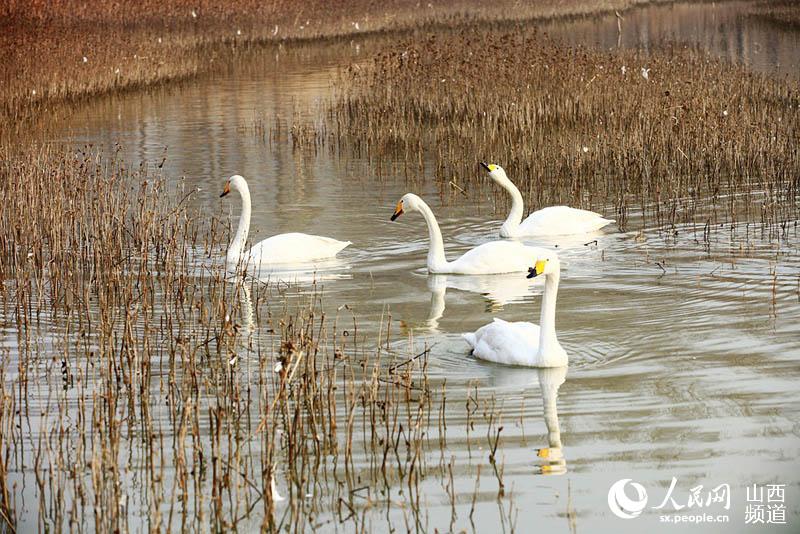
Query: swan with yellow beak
{"type": "Point", "coordinates": [523, 343]}
{"type": "Point", "coordinates": [549, 221]}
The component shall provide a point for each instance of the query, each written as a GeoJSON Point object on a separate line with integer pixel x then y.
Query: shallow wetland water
{"type": "Point", "coordinates": [683, 345]}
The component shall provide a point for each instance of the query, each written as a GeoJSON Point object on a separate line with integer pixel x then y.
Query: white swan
{"type": "Point", "coordinates": [523, 343]}
{"type": "Point", "coordinates": [494, 257]}
{"type": "Point", "coordinates": [550, 221]}
{"type": "Point", "coordinates": [283, 248]}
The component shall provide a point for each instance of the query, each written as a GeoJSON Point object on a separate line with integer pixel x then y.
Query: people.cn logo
{"type": "Point", "coordinates": [621, 505]}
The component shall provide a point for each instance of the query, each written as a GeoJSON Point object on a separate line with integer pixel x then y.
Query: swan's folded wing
{"type": "Point", "coordinates": [562, 220]}
{"type": "Point", "coordinates": [507, 343]}
{"type": "Point", "coordinates": [295, 247]}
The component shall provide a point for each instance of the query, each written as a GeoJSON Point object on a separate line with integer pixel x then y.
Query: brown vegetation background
{"type": "Point", "coordinates": [128, 44]}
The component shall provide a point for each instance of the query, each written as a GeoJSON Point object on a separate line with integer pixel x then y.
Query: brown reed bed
{"type": "Point", "coordinates": [577, 126]}
{"type": "Point", "coordinates": [69, 50]}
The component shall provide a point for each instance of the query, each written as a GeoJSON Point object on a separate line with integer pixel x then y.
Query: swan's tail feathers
{"type": "Point", "coordinates": [469, 337]}
{"type": "Point", "coordinates": [340, 246]}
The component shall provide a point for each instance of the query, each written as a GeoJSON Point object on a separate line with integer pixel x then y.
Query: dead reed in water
{"type": "Point", "coordinates": [577, 126]}
{"type": "Point", "coordinates": [142, 388]}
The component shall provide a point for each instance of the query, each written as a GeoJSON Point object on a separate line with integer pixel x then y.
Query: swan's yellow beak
{"type": "Point", "coordinates": [226, 190]}
{"type": "Point", "coordinates": [398, 210]}
{"type": "Point", "coordinates": [538, 269]}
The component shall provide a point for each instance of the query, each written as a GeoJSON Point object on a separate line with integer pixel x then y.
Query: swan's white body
{"type": "Point", "coordinates": [555, 220]}
{"type": "Point", "coordinates": [522, 343]}
{"type": "Point", "coordinates": [550, 221]}
{"type": "Point", "coordinates": [293, 247]}
{"type": "Point", "coordinates": [284, 248]}
{"type": "Point", "coordinates": [495, 257]}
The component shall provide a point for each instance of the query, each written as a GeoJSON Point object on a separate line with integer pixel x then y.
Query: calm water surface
{"type": "Point", "coordinates": [690, 371]}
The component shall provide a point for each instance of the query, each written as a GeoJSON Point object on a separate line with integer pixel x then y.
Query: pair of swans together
{"type": "Point", "coordinates": [518, 343]}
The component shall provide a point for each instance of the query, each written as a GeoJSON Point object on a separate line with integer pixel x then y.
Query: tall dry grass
{"type": "Point", "coordinates": [577, 126]}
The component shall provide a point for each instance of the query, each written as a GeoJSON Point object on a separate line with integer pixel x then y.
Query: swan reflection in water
{"type": "Point", "coordinates": [249, 329]}
{"type": "Point", "coordinates": [305, 273]}
{"type": "Point", "coordinates": [553, 461]}
{"type": "Point", "coordinates": [245, 324]}
{"type": "Point", "coordinates": [551, 458]}
{"type": "Point", "coordinates": [499, 290]}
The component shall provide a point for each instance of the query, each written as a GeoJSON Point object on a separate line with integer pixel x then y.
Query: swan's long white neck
{"type": "Point", "coordinates": [548, 342]}
{"type": "Point", "coordinates": [511, 223]}
{"type": "Point", "coordinates": [436, 258]}
{"type": "Point", "coordinates": [239, 240]}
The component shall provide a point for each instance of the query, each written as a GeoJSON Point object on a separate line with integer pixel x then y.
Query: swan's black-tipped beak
{"type": "Point", "coordinates": [485, 166]}
{"type": "Point", "coordinates": [398, 210]}
{"type": "Point", "coordinates": [537, 269]}
{"type": "Point", "coordinates": [226, 190]}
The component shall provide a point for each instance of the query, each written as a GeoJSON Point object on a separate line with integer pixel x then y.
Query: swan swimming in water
{"type": "Point", "coordinates": [495, 257]}
{"type": "Point", "coordinates": [283, 248]}
{"type": "Point", "coordinates": [550, 221]}
{"type": "Point", "coordinates": [522, 343]}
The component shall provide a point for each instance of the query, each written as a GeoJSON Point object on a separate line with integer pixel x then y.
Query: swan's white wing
{"type": "Point", "coordinates": [294, 247]}
{"type": "Point", "coordinates": [561, 220]}
{"type": "Point", "coordinates": [497, 257]}
{"type": "Point", "coordinates": [507, 343]}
